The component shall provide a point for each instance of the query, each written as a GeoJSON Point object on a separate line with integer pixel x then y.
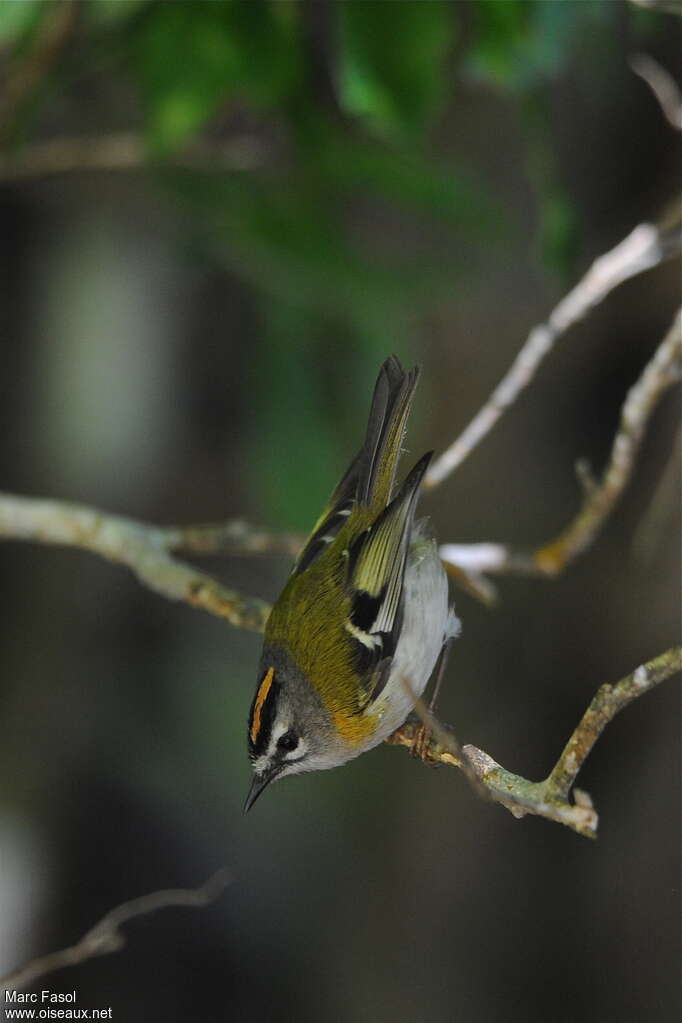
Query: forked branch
{"type": "Point", "coordinates": [148, 550]}
{"type": "Point", "coordinates": [107, 937]}
{"type": "Point", "coordinates": [645, 247]}
{"type": "Point", "coordinates": [552, 557]}
{"type": "Point", "coordinates": [550, 798]}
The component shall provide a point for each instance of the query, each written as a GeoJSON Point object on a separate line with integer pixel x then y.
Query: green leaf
{"type": "Point", "coordinates": [192, 57]}
{"type": "Point", "coordinates": [392, 70]}
{"type": "Point", "coordinates": [17, 20]}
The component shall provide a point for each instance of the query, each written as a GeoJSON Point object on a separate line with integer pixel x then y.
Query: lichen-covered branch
{"type": "Point", "coordinates": [549, 798]}
{"type": "Point", "coordinates": [645, 247]}
{"type": "Point", "coordinates": [107, 937]}
{"type": "Point", "coordinates": [145, 549]}
{"type": "Point", "coordinates": [608, 701]}
{"type": "Point", "coordinates": [232, 537]}
{"type": "Point", "coordinates": [663, 370]}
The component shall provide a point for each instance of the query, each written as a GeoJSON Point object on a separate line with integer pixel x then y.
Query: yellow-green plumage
{"type": "Point", "coordinates": [364, 611]}
{"type": "Point", "coordinates": [310, 614]}
{"type": "Point", "coordinates": [310, 617]}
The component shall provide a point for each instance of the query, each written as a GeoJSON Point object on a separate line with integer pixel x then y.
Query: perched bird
{"type": "Point", "coordinates": [361, 622]}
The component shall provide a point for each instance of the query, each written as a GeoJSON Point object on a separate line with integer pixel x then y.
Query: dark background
{"type": "Point", "coordinates": [185, 344]}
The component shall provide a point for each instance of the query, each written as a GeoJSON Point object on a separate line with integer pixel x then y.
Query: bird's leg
{"type": "Point", "coordinates": [421, 739]}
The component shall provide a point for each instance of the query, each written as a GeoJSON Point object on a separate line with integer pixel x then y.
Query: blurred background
{"type": "Point", "coordinates": [249, 206]}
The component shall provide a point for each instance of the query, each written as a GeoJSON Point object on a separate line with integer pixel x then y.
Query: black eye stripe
{"type": "Point", "coordinates": [288, 742]}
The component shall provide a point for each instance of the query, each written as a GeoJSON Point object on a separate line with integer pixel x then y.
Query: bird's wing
{"type": "Point", "coordinates": [379, 456]}
{"type": "Point", "coordinates": [376, 569]}
{"type": "Point", "coordinates": [370, 476]}
{"type": "Point", "coordinates": [332, 520]}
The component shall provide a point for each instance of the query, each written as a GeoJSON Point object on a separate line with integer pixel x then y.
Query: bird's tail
{"type": "Point", "coordinates": [378, 459]}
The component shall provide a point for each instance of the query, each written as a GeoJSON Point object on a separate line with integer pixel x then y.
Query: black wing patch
{"type": "Point", "coordinates": [365, 609]}
{"type": "Point", "coordinates": [376, 569]}
{"type": "Point", "coordinates": [262, 714]}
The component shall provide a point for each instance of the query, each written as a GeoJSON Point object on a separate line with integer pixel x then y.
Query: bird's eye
{"type": "Point", "coordinates": [287, 742]}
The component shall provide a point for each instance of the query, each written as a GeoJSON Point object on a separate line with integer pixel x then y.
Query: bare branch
{"type": "Point", "coordinates": [664, 369]}
{"type": "Point", "coordinates": [660, 373]}
{"type": "Point", "coordinates": [145, 549]}
{"type": "Point", "coordinates": [660, 6]}
{"type": "Point", "coordinates": [549, 798]}
{"type": "Point", "coordinates": [106, 936]}
{"type": "Point", "coordinates": [645, 247]}
{"type": "Point", "coordinates": [124, 151]}
{"type": "Point", "coordinates": [663, 86]}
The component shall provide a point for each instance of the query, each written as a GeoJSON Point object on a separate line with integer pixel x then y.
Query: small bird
{"type": "Point", "coordinates": [363, 618]}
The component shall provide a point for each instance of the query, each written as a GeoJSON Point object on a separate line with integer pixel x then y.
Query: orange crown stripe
{"type": "Point", "coordinates": [261, 697]}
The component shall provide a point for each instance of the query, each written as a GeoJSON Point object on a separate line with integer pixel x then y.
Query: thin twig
{"type": "Point", "coordinates": [660, 6]}
{"type": "Point", "coordinates": [106, 936]}
{"type": "Point", "coordinates": [663, 370]}
{"type": "Point", "coordinates": [123, 151]}
{"type": "Point", "coordinates": [145, 549]}
{"type": "Point", "coordinates": [645, 247]}
{"type": "Point", "coordinates": [549, 798]}
{"type": "Point", "coordinates": [663, 86]}
{"type": "Point", "coordinates": [659, 374]}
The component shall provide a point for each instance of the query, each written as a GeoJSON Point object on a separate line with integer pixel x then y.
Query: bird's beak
{"type": "Point", "coordinates": [259, 784]}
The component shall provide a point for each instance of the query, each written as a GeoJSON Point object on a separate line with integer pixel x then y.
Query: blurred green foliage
{"type": "Point", "coordinates": [518, 43]}
{"type": "Point", "coordinates": [392, 69]}
{"type": "Point", "coordinates": [189, 58]}
{"type": "Point", "coordinates": [291, 225]}
{"type": "Point", "coordinates": [16, 21]}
